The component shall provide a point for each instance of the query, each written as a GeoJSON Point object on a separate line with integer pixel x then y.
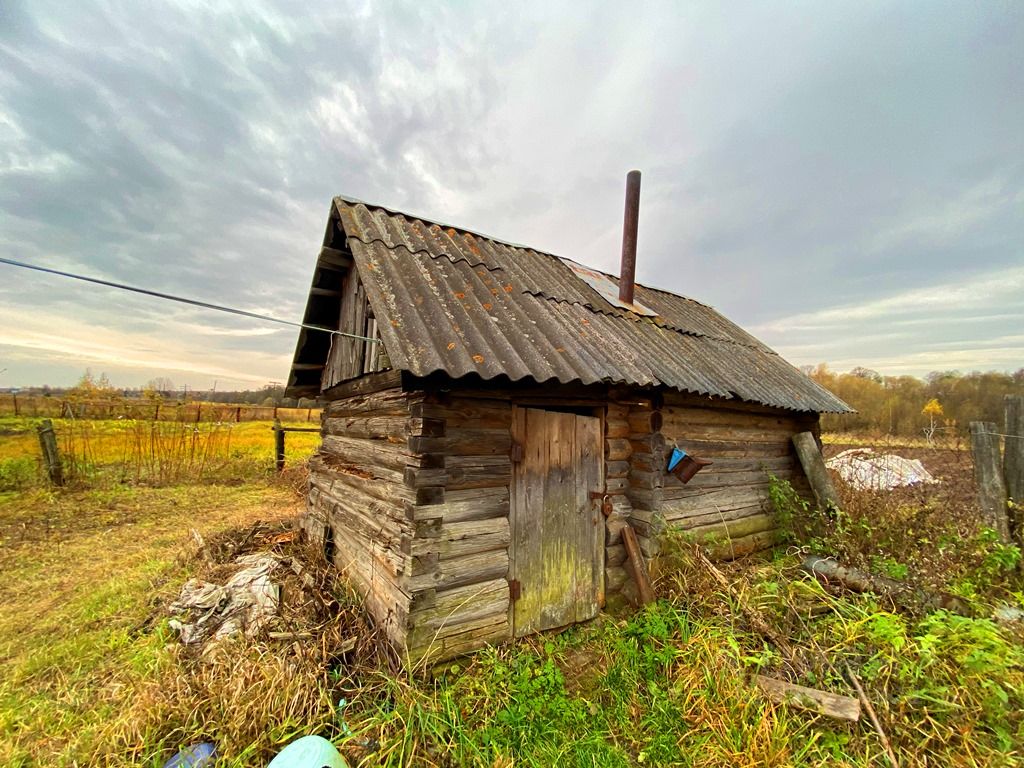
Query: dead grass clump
{"type": "Point", "coordinates": [931, 536]}
{"type": "Point", "coordinates": [251, 696]}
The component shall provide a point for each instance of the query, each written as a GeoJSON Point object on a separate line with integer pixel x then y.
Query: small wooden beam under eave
{"type": "Point", "coordinates": [307, 366]}
{"type": "Point", "coordinates": [324, 292]}
{"type": "Point", "coordinates": [332, 257]}
{"type": "Point", "coordinates": [306, 390]}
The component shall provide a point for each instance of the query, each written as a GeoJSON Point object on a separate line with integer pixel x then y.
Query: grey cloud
{"type": "Point", "coordinates": [793, 159]}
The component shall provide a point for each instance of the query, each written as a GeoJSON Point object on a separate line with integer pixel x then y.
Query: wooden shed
{"type": "Point", "coordinates": [495, 414]}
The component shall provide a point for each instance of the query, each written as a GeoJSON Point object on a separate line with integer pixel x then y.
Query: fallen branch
{"type": "Point", "coordinates": [864, 700]}
{"type": "Point", "coordinates": [871, 714]}
{"type": "Point", "coordinates": [828, 570]}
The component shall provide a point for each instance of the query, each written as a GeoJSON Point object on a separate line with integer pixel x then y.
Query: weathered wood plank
{"type": "Point", "coordinates": [735, 529]}
{"type": "Point", "coordinates": [814, 468]}
{"type": "Point", "coordinates": [466, 442]}
{"type": "Point", "coordinates": [617, 429]}
{"type": "Point", "coordinates": [588, 465]}
{"type": "Point", "coordinates": [701, 501]}
{"type": "Point", "coordinates": [617, 449]}
{"type": "Point", "coordinates": [810, 699]}
{"type": "Point", "coordinates": [616, 468]}
{"type": "Point", "coordinates": [676, 419]}
{"type": "Point", "coordinates": [471, 569]}
{"type": "Point", "coordinates": [386, 489]}
{"type": "Point", "coordinates": [466, 538]}
{"type": "Point", "coordinates": [370, 456]}
{"type": "Point", "coordinates": [477, 472]}
{"type": "Point", "coordinates": [469, 504]}
{"type": "Point", "coordinates": [392, 401]}
{"type": "Point", "coordinates": [462, 605]}
{"type": "Point", "coordinates": [465, 413]}
{"type": "Point", "coordinates": [637, 566]}
{"type": "Point", "coordinates": [460, 640]}
{"type": "Point", "coordinates": [373, 382]}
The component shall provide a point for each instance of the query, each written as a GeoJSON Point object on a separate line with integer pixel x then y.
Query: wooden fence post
{"type": "Point", "coordinates": [1013, 449]}
{"type": "Point", "coordinates": [814, 467]}
{"type": "Point", "coordinates": [1013, 462]}
{"type": "Point", "coordinates": [988, 474]}
{"type": "Point", "coordinates": [48, 442]}
{"type": "Point", "coordinates": [279, 444]}
{"type": "Point", "coordinates": [15, 395]}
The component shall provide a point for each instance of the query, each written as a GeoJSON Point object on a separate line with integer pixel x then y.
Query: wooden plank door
{"type": "Point", "coordinates": [557, 554]}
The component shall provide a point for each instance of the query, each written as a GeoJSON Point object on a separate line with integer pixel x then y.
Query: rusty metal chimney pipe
{"type": "Point", "coordinates": [631, 221]}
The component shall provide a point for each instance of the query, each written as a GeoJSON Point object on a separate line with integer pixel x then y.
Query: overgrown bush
{"type": "Point", "coordinates": [18, 473]}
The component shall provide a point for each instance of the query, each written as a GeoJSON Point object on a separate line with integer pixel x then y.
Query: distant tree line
{"type": "Point", "coordinates": [99, 388]}
{"type": "Point", "coordinates": [942, 402]}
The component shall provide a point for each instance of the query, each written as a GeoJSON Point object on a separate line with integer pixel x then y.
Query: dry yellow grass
{"type": "Point", "coordinates": [84, 573]}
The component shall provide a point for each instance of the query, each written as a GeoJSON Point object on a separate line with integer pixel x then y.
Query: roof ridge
{"type": "Point", "coordinates": [432, 222]}
{"type": "Point", "coordinates": [425, 252]}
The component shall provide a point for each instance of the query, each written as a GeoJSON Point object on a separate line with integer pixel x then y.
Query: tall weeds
{"type": "Point", "coordinates": [145, 452]}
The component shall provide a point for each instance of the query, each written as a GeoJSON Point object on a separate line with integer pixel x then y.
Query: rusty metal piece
{"type": "Point", "coordinates": [630, 224]}
{"type": "Point", "coordinates": [607, 287]}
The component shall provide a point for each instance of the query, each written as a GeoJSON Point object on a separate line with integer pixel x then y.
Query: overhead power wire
{"type": "Point", "coordinates": [183, 300]}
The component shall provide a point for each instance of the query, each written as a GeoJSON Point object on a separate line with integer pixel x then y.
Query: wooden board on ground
{"type": "Point", "coordinates": [810, 699]}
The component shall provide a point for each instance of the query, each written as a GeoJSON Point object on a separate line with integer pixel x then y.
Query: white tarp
{"type": "Point", "coordinates": [863, 469]}
{"type": "Point", "coordinates": [243, 604]}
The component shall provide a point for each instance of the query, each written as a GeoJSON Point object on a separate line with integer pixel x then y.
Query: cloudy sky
{"type": "Point", "coordinates": [846, 180]}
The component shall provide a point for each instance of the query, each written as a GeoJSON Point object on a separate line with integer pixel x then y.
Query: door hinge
{"type": "Point", "coordinates": [515, 453]}
{"type": "Point", "coordinates": [514, 589]}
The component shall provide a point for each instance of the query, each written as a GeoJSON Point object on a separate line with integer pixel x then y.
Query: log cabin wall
{"type": "Point", "coordinates": [410, 493]}
{"type": "Point", "coordinates": [618, 453]}
{"type": "Point", "coordinates": [365, 482]}
{"type": "Point", "coordinates": [728, 501]}
{"type": "Point", "coordinates": [460, 598]}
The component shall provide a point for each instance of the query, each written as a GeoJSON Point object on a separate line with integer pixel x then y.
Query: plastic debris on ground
{"type": "Point", "coordinates": [242, 605]}
{"type": "Point", "coordinates": [309, 752]}
{"type": "Point", "coordinates": [865, 470]}
{"type": "Point", "coordinates": [197, 756]}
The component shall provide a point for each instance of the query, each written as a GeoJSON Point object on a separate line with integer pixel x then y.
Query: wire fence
{"type": "Point", "coordinates": [148, 410]}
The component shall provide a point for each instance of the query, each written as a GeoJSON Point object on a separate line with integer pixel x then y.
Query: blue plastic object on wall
{"type": "Point", "coordinates": [196, 756]}
{"type": "Point", "coordinates": [678, 454]}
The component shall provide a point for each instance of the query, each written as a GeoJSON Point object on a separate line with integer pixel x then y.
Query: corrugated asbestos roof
{"type": "Point", "coordinates": [449, 300]}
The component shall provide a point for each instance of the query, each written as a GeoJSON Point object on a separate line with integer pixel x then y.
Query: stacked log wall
{"type": "Point", "coordinates": [463, 601]}
{"type": "Point", "coordinates": [728, 501]}
{"type": "Point", "coordinates": [363, 488]}
{"type": "Point", "coordinates": [647, 457]}
{"type": "Point", "coordinates": [617, 455]}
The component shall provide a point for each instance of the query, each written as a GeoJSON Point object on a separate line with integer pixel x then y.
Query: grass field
{"type": "Point", "coordinates": [92, 675]}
